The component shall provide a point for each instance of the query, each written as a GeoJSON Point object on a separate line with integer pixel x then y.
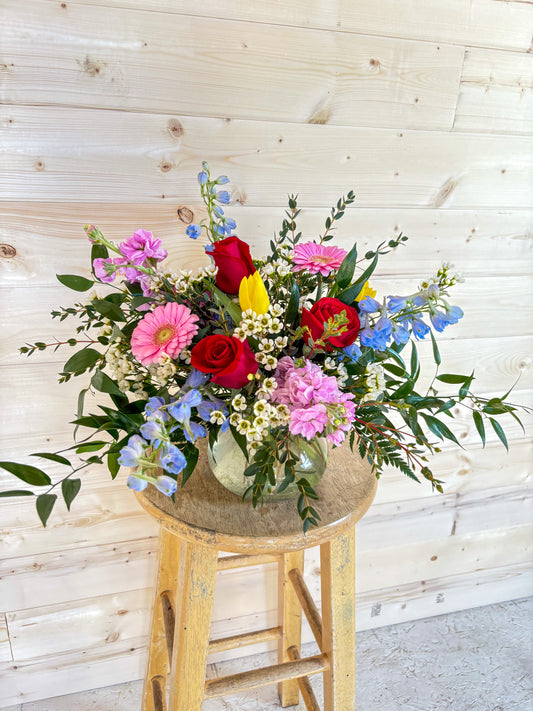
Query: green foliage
{"type": "Point", "coordinates": [77, 283]}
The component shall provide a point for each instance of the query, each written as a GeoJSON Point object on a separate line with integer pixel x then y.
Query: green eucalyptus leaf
{"type": "Point", "coordinates": [44, 504]}
{"type": "Point", "coordinates": [70, 489]}
{"type": "Point", "coordinates": [25, 472]}
{"type": "Point", "coordinates": [74, 282]}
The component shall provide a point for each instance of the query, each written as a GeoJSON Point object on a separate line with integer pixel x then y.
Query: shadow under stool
{"type": "Point", "coordinates": [205, 519]}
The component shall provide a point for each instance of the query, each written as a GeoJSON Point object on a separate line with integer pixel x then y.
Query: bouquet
{"type": "Point", "coordinates": [271, 361]}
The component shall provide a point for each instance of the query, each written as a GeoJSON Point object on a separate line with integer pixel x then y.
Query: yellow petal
{"type": "Point", "coordinates": [244, 294]}
{"type": "Point", "coordinates": [261, 302]}
{"type": "Point", "coordinates": [365, 291]}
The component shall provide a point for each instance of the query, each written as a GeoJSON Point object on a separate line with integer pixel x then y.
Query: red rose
{"type": "Point", "coordinates": [325, 309]}
{"type": "Point", "coordinates": [234, 262]}
{"type": "Point", "coordinates": [229, 359]}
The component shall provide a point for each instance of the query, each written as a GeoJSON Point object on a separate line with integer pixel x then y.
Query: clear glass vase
{"type": "Point", "coordinates": [227, 462]}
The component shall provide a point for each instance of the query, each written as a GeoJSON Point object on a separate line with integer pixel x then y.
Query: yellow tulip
{"type": "Point", "coordinates": [253, 294]}
{"type": "Point", "coordinates": [365, 291]}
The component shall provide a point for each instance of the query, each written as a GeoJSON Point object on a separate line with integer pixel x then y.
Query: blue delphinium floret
{"type": "Point", "coordinates": [136, 484]}
{"type": "Point", "coordinates": [379, 336]}
{"type": "Point", "coordinates": [172, 459]}
{"type": "Point", "coordinates": [223, 197]}
{"type": "Point", "coordinates": [193, 231]}
{"type": "Point", "coordinates": [133, 452]}
{"type": "Point", "coordinates": [369, 305]}
{"type": "Point", "coordinates": [166, 485]}
{"type": "Point", "coordinates": [202, 177]}
{"type": "Point", "coordinates": [353, 352]}
{"type": "Point", "coordinates": [154, 431]}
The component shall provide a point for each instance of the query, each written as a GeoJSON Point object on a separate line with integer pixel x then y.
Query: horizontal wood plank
{"type": "Point", "coordinates": [211, 67]}
{"type": "Point", "coordinates": [52, 153]}
{"type": "Point", "coordinates": [482, 23]}
{"type": "Point", "coordinates": [42, 239]}
{"type": "Point", "coordinates": [496, 93]}
{"type": "Point", "coordinates": [124, 660]}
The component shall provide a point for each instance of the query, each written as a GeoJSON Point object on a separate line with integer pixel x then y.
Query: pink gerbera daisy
{"type": "Point", "coordinates": [316, 258]}
{"type": "Point", "coordinates": [167, 330]}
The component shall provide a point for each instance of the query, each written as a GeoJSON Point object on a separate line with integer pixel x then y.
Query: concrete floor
{"type": "Point", "coordinates": [476, 660]}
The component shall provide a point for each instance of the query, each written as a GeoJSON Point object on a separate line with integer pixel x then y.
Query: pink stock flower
{"type": "Point", "coordinates": [142, 246]}
{"type": "Point", "coordinates": [316, 258]}
{"type": "Point", "coordinates": [167, 330]}
{"type": "Point", "coordinates": [315, 403]}
{"type": "Point", "coordinates": [104, 270]}
{"type": "Point", "coordinates": [309, 421]}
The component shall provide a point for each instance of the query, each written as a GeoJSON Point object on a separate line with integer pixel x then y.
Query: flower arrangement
{"type": "Point", "coordinates": [291, 347]}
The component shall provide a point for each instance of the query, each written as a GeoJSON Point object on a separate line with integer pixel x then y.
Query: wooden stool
{"type": "Point", "coordinates": [205, 519]}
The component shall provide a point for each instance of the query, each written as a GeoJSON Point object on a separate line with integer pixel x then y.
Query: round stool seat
{"type": "Point", "coordinates": [205, 512]}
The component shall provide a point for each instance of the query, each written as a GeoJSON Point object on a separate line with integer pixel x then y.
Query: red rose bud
{"type": "Point", "coordinates": [229, 360]}
{"type": "Point", "coordinates": [325, 309]}
{"type": "Point", "coordinates": [234, 262]}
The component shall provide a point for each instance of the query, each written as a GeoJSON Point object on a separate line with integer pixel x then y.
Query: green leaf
{"type": "Point", "coordinates": [82, 360]}
{"type": "Point", "coordinates": [77, 283]}
{"type": "Point", "coordinates": [45, 503]}
{"type": "Point", "coordinates": [347, 268]}
{"type": "Point", "coordinates": [112, 463]}
{"type": "Point", "coordinates": [463, 390]}
{"type": "Point", "coordinates": [191, 454]}
{"type": "Point", "coordinates": [102, 382]}
{"type": "Point", "coordinates": [70, 489]}
{"type": "Point", "coordinates": [294, 302]}
{"type": "Point", "coordinates": [499, 431]}
{"type": "Point", "coordinates": [439, 428]}
{"type": "Point", "coordinates": [451, 378]}
{"type": "Point", "coordinates": [15, 492]}
{"type": "Point", "coordinates": [415, 367]}
{"type": "Point", "coordinates": [108, 309]}
{"type": "Point", "coordinates": [25, 472]}
{"type": "Point", "coordinates": [404, 390]}
{"type": "Point", "coordinates": [90, 447]}
{"type": "Point", "coordinates": [241, 441]}
{"type": "Point", "coordinates": [52, 457]}
{"type": "Point", "coordinates": [480, 426]}
{"type": "Point", "coordinates": [233, 309]}
{"type": "Point", "coordinates": [99, 251]}
{"type": "Point", "coordinates": [436, 352]}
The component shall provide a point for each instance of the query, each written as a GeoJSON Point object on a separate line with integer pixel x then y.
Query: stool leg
{"type": "Point", "coordinates": [290, 621]}
{"type": "Point", "coordinates": [337, 566]}
{"type": "Point", "coordinates": [164, 595]}
{"type": "Point", "coordinates": [196, 590]}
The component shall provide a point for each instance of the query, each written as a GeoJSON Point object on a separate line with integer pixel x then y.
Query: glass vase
{"type": "Point", "coordinates": [227, 462]}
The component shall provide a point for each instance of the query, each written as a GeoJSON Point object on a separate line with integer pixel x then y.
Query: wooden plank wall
{"type": "Point", "coordinates": [424, 108]}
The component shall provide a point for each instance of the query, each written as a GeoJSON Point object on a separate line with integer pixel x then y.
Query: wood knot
{"type": "Point", "coordinates": [63, 5]}
{"type": "Point", "coordinates": [122, 612]}
{"type": "Point", "coordinates": [165, 166]}
{"type": "Point", "coordinates": [445, 192]}
{"type": "Point", "coordinates": [91, 66]}
{"type": "Point", "coordinates": [38, 165]}
{"type": "Point", "coordinates": [374, 63]}
{"type": "Point", "coordinates": [7, 251]}
{"type": "Point", "coordinates": [186, 215]}
{"type": "Point", "coordinates": [321, 116]}
{"type": "Point", "coordinates": [175, 128]}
